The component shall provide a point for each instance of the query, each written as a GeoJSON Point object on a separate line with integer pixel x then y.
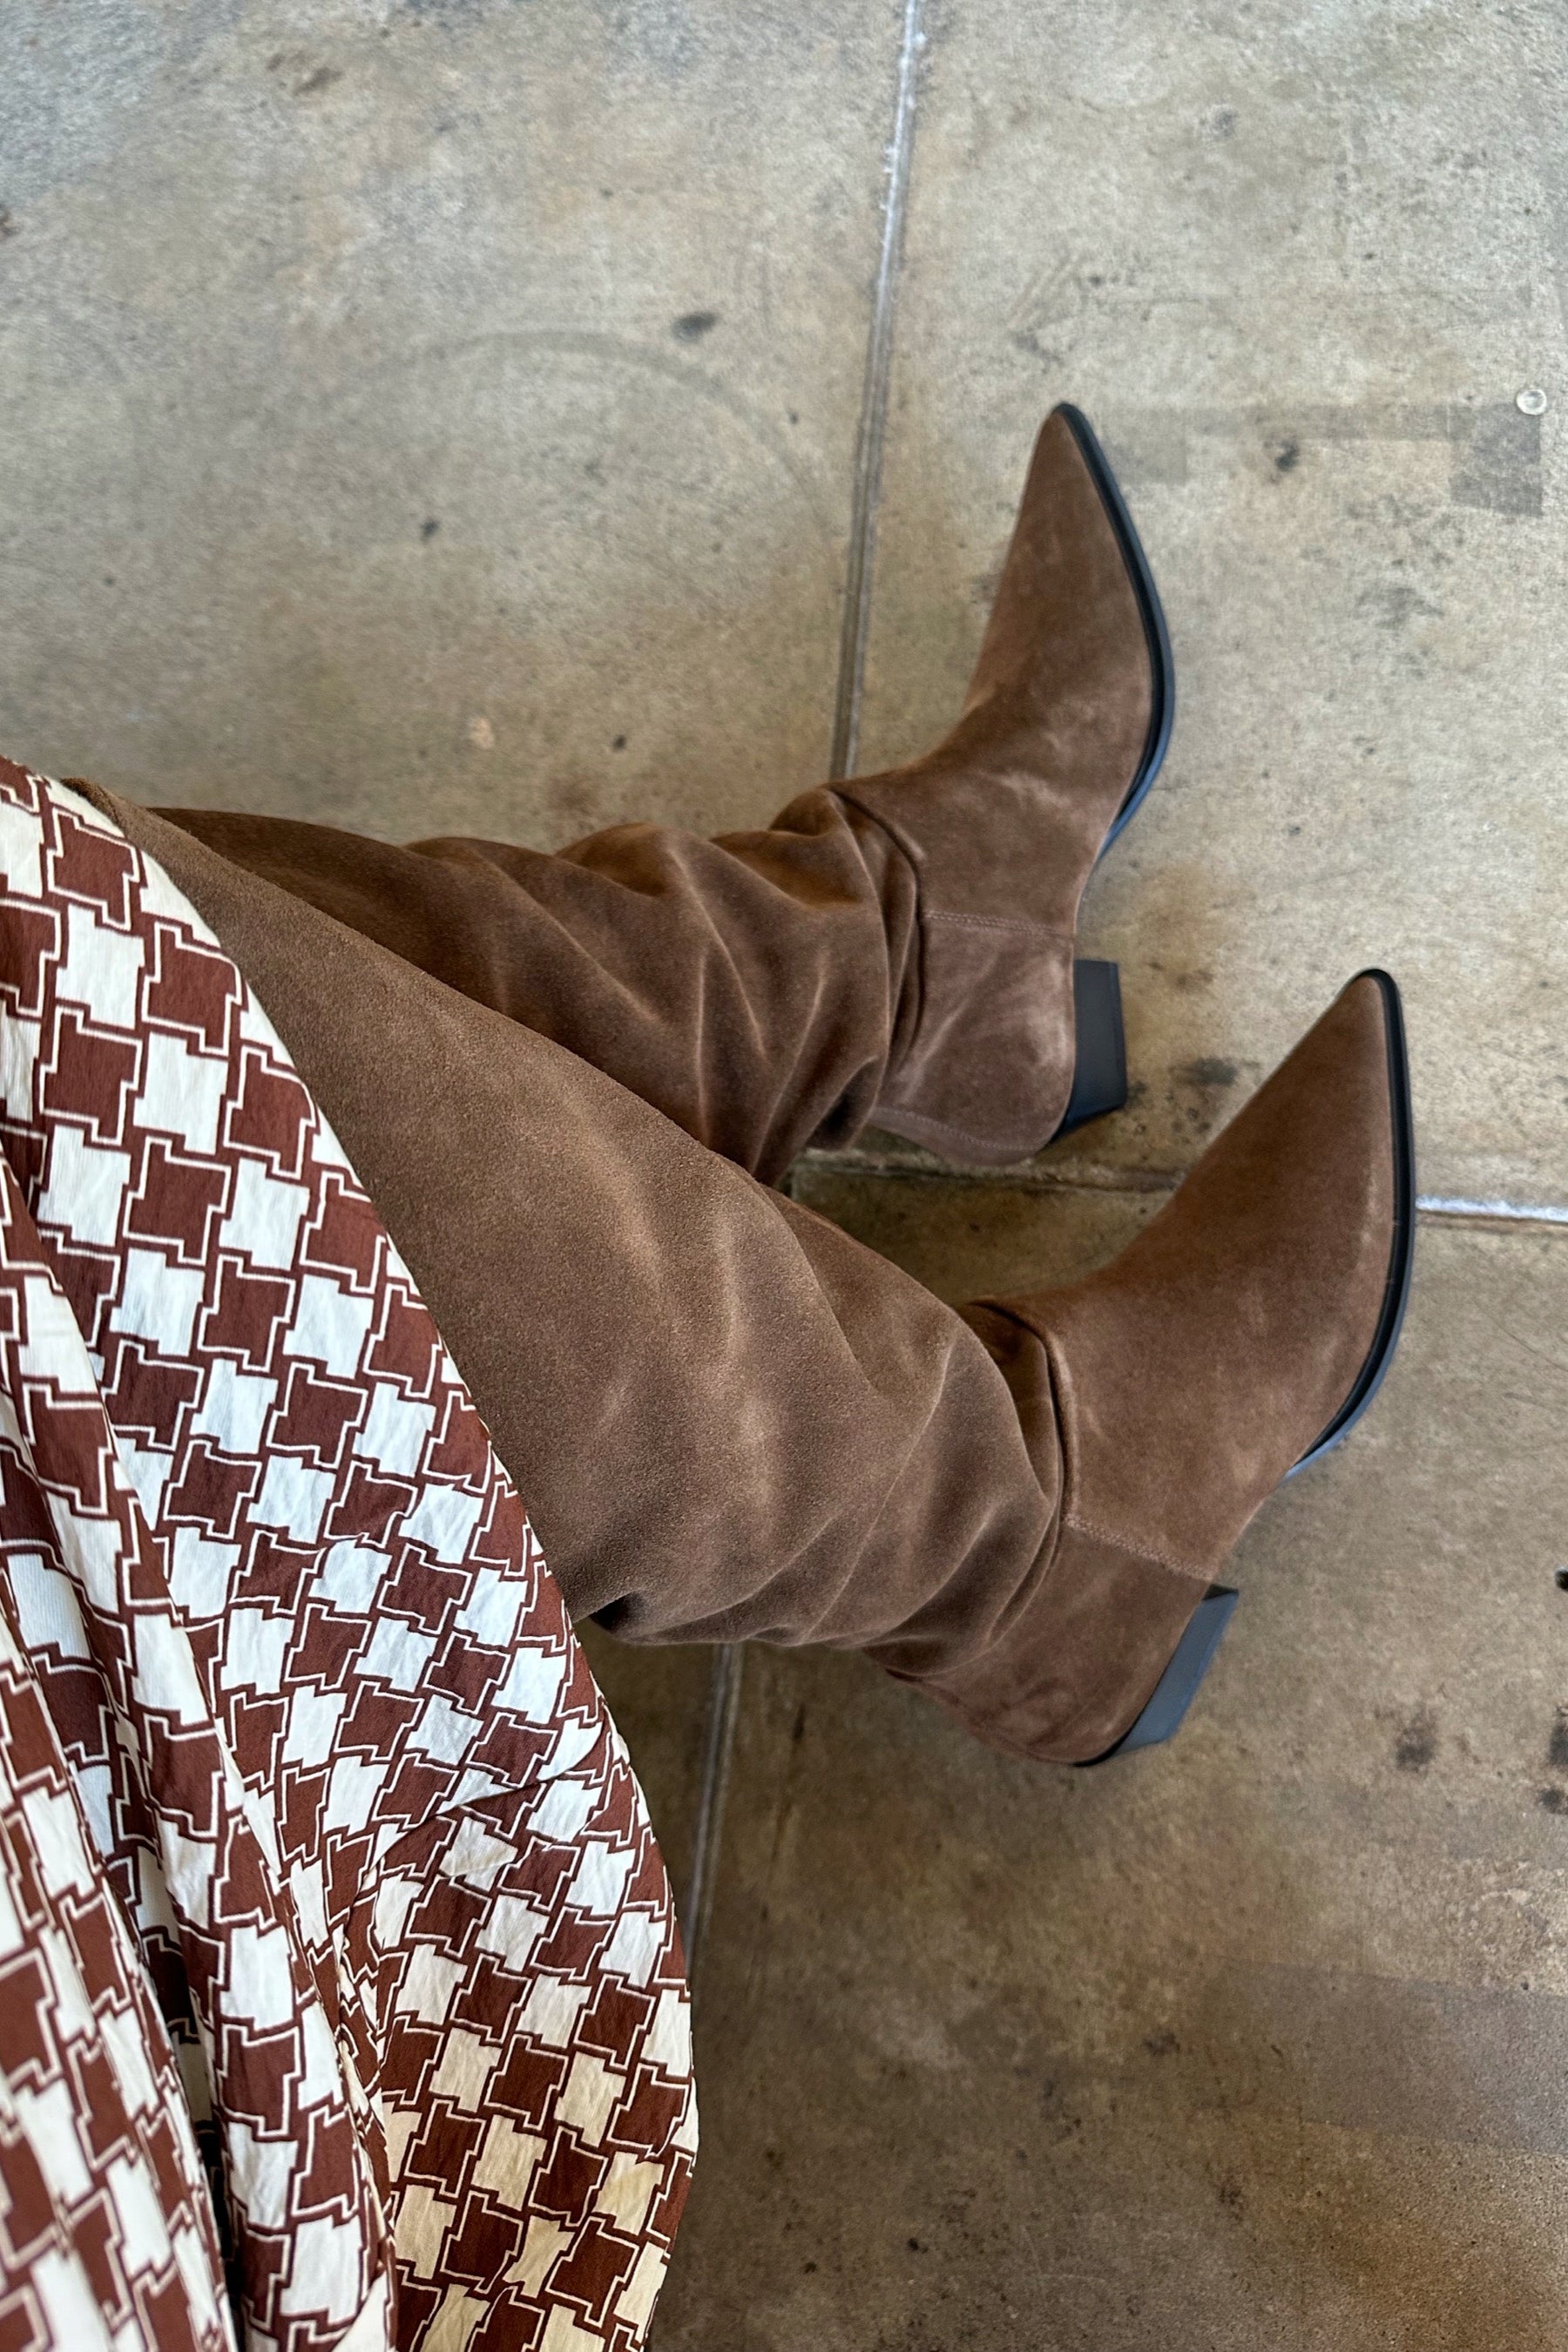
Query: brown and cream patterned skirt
{"type": "Point", "coordinates": [323, 1876]}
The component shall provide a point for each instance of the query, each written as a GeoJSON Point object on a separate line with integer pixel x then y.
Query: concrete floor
{"type": "Point", "coordinates": [464, 413]}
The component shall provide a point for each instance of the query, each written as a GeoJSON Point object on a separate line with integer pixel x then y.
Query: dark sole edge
{"type": "Point", "coordinates": [1162, 662]}
{"type": "Point", "coordinates": [1166, 1710]}
{"type": "Point", "coordinates": [1100, 1045]}
{"type": "Point", "coordinates": [1402, 1257]}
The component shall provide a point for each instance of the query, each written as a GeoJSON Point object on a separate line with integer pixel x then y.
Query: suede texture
{"type": "Point", "coordinates": [1186, 1379]}
{"type": "Point", "coordinates": [707, 976]}
{"type": "Point", "coordinates": [1003, 823]}
{"type": "Point", "coordinates": [754, 988]}
{"type": "Point", "coordinates": [560, 1078]}
{"type": "Point", "coordinates": [1081, 1657]}
{"type": "Point", "coordinates": [728, 1420]}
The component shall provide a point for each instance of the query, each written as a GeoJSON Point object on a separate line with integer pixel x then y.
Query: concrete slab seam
{"type": "Point", "coordinates": [723, 1713]}
{"type": "Point", "coordinates": [874, 406]}
{"type": "Point", "coordinates": [723, 1707]}
{"type": "Point", "coordinates": [1523, 1212]}
{"type": "Point", "coordinates": [1446, 1208]}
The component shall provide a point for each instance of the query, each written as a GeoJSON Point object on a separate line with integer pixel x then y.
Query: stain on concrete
{"type": "Point", "coordinates": [1208, 1070]}
{"type": "Point", "coordinates": [1066, 2121]}
{"type": "Point", "coordinates": [983, 586]}
{"type": "Point", "coordinates": [1027, 340]}
{"type": "Point", "coordinates": [1143, 449]}
{"type": "Point", "coordinates": [657, 34]}
{"type": "Point", "coordinates": [1553, 1800]}
{"type": "Point", "coordinates": [1415, 1744]}
{"type": "Point", "coordinates": [1497, 465]}
{"type": "Point", "coordinates": [430, 526]}
{"type": "Point", "coordinates": [440, 11]}
{"type": "Point", "coordinates": [8, 227]}
{"type": "Point", "coordinates": [1393, 604]}
{"type": "Point", "coordinates": [1477, 2066]}
{"type": "Point", "coordinates": [1557, 1745]}
{"type": "Point", "coordinates": [322, 79]}
{"type": "Point", "coordinates": [1495, 452]}
{"type": "Point", "coordinates": [693, 325]}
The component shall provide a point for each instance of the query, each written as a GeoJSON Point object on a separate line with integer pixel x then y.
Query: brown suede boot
{"type": "Point", "coordinates": [1239, 1336]}
{"type": "Point", "coordinates": [1069, 715]}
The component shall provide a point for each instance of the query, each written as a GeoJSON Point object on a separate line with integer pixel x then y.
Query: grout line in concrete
{"type": "Point", "coordinates": [1087, 1176]}
{"type": "Point", "coordinates": [874, 408]}
{"type": "Point", "coordinates": [1517, 1213]}
{"type": "Point", "coordinates": [724, 1691]}
{"type": "Point", "coordinates": [1084, 1176]}
{"type": "Point", "coordinates": [717, 1745]}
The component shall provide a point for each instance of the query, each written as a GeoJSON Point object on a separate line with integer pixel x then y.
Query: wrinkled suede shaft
{"type": "Point", "coordinates": [754, 988]}
{"type": "Point", "coordinates": [728, 1420]}
{"type": "Point", "coordinates": [559, 1077]}
{"type": "Point", "coordinates": [1001, 825]}
{"type": "Point", "coordinates": [901, 946]}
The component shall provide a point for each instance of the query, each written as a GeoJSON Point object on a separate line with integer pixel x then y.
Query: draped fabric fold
{"type": "Point", "coordinates": [341, 2003]}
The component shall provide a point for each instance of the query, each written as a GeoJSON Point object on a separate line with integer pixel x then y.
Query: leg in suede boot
{"type": "Point", "coordinates": [1240, 1335]}
{"type": "Point", "coordinates": [731, 1423]}
{"type": "Point", "coordinates": [899, 947]}
{"type": "Point", "coordinates": [1069, 715]}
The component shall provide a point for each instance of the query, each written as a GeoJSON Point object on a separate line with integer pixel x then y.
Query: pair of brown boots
{"type": "Point", "coordinates": [1247, 1327]}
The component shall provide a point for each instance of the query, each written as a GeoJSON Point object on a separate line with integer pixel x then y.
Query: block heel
{"type": "Point", "coordinates": [1099, 1071]}
{"type": "Point", "coordinates": [1177, 1686]}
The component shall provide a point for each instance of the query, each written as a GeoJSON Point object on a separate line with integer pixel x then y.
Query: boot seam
{"type": "Point", "coordinates": [915, 858]}
{"type": "Point", "coordinates": [997, 923]}
{"type": "Point", "coordinates": [939, 1134]}
{"type": "Point", "coordinates": [1139, 1552]}
{"type": "Point", "coordinates": [1072, 1471]}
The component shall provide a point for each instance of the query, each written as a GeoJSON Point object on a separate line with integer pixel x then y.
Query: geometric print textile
{"type": "Point", "coordinates": [341, 2003]}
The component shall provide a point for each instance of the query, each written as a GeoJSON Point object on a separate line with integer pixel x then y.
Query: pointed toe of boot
{"type": "Point", "coordinates": [1073, 509]}
{"type": "Point", "coordinates": [1238, 1338]}
{"type": "Point", "coordinates": [1245, 1328]}
{"type": "Point", "coordinates": [1383, 1107]}
{"type": "Point", "coordinates": [1065, 727]}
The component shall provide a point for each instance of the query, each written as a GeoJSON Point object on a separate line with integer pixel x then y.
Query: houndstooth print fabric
{"type": "Point", "coordinates": [322, 1865]}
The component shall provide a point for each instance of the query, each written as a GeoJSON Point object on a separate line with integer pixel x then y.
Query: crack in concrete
{"type": "Point", "coordinates": [718, 1746]}
{"type": "Point", "coordinates": [856, 626]}
{"type": "Point", "coordinates": [1520, 1213]}
{"type": "Point", "coordinates": [724, 1698]}
{"type": "Point", "coordinates": [1087, 1177]}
